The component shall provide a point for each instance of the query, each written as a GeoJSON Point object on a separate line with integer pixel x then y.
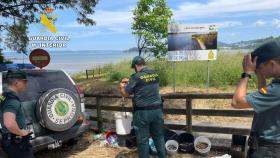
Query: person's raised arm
{"type": "Point", "coordinates": [239, 97]}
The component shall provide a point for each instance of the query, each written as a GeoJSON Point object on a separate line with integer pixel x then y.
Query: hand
{"type": "Point", "coordinates": [249, 66]}
{"type": "Point", "coordinates": [24, 132]}
{"type": "Point", "coordinates": [125, 80]}
{"type": "Point", "coordinates": [122, 85]}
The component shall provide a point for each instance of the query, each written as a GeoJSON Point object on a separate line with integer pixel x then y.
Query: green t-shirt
{"type": "Point", "coordinates": [266, 104]}
{"type": "Point", "coordinates": [10, 103]}
{"type": "Point", "coordinates": [145, 87]}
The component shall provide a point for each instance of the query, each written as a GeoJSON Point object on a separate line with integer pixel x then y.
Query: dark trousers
{"type": "Point", "coordinates": [13, 150]}
{"type": "Point", "coordinates": [149, 123]}
{"type": "Point", "coordinates": [265, 151]}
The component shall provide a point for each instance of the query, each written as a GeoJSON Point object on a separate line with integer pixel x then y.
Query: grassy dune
{"type": "Point", "coordinates": [225, 72]}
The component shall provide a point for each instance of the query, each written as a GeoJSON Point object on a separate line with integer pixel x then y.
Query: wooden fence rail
{"type": "Point", "coordinates": [88, 73]}
{"type": "Point", "coordinates": [188, 111]}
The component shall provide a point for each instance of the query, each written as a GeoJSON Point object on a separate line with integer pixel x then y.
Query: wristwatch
{"type": "Point", "coordinates": [244, 75]}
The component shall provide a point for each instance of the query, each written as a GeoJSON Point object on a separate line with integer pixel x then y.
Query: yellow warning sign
{"type": "Point", "coordinates": [211, 55]}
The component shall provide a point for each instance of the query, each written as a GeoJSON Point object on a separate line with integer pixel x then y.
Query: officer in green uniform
{"type": "Point", "coordinates": [264, 139]}
{"type": "Point", "coordinates": [148, 115]}
{"type": "Point", "coordinates": [15, 137]}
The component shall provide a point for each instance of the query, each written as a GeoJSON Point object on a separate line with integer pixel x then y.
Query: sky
{"type": "Point", "coordinates": [237, 20]}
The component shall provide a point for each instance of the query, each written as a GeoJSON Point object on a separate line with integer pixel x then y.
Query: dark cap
{"type": "Point", "coordinates": [16, 74]}
{"type": "Point", "coordinates": [137, 61]}
{"type": "Point", "coordinates": [267, 52]}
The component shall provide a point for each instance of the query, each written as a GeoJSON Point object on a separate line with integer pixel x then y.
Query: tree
{"type": "Point", "coordinates": [151, 18]}
{"type": "Point", "coordinates": [18, 14]}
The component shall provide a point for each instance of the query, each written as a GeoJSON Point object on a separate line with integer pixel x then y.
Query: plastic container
{"type": "Point", "coordinates": [186, 143]}
{"type": "Point", "coordinates": [131, 140]}
{"type": "Point", "coordinates": [111, 138]}
{"type": "Point", "coordinates": [123, 122]}
{"type": "Point", "coordinates": [171, 147]}
{"type": "Point", "coordinates": [152, 147]}
{"type": "Point", "coordinates": [170, 135]}
{"type": "Point", "coordinates": [205, 142]}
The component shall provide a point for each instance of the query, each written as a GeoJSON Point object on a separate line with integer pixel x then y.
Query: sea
{"type": "Point", "coordinates": [76, 61]}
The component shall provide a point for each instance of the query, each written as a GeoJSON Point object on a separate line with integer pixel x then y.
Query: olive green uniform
{"type": "Point", "coordinates": [11, 103]}
{"type": "Point", "coordinates": [266, 122]}
{"type": "Point", "coordinates": [15, 146]}
{"type": "Point", "coordinates": [148, 116]}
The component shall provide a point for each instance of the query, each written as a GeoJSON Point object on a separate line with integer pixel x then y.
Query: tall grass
{"type": "Point", "coordinates": [224, 72]}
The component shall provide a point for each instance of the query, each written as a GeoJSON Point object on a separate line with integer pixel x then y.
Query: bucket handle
{"type": "Point", "coordinates": [123, 100]}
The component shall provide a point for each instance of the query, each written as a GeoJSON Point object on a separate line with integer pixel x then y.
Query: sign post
{"type": "Point", "coordinates": [192, 42]}
{"type": "Point", "coordinates": [39, 58]}
{"type": "Point", "coordinates": [174, 76]}
{"type": "Point", "coordinates": [208, 75]}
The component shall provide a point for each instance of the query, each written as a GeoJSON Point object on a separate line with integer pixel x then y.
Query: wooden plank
{"type": "Point", "coordinates": [175, 96]}
{"type": "Point", "coordinates": [117, 108]}
{"type": "Point", "coordinates": [90, 106]}
{"type": "Point", "coordinates": [99, 115]}
{"type": "Point", "coordinates": [175, 111]}
{"type": "Point", "coordinates": [189, 115]}
{"type": "Point", "coordinates": [202, 112]}
{"type": "Point", "coordinates": [211, 129]}
{"type": "Point", "coordinates": [198, 96]}
{"type": "Point", "coordinates": [225, 113]}
{"type": "Point", "coordinates": [223, 130]}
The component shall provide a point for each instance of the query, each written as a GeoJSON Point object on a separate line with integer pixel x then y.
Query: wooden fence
{"type": "Point", "coordinates": [93, 72]}
{"type": "Point", "coordinates": [188, 112]}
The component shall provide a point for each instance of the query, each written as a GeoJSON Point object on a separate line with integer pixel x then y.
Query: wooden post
{"type": "Point", "coordinates": [87, 73]}
{"type": "Point", "coordinates": [189, 114]}
{"type": "Point", "coordinates": [99, 115]}
{"type": "Point", "coordinates": [93, 73]}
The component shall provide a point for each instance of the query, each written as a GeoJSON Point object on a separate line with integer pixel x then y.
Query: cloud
{"type": "Point", "coordinates": [112, 18]}
{"type": "Point", "coordinates": [115, 21]}
{"type": "Point", "coordinates": [227, 24]}
{"type": "Point", "coordinates": [85, 34]}
{"type": "Point", "coordinates": [218, 8]}
{"type": "Point", "coordinates": [232, 34]}
{"type": "Point", "coordinates": [260, 23]}
{"type": "Point", "coordinates": [276, 23]}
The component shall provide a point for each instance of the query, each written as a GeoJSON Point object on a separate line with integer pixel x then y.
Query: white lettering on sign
{"type": "Point", "coordinates": [51, 105]}
{"type": "Point", "coordinates": [40, 58]}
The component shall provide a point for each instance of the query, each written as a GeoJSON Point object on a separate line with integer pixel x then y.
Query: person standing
{"type": "Point", "coordinates": [147, 104]}
{"type": "Point", "coordinates": [264, 140]}
{"type": "Point", "coordinates": [15, 137]}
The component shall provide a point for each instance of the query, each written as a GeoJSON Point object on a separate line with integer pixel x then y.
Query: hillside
{"type": "Point", "coordinates": [250, 44]}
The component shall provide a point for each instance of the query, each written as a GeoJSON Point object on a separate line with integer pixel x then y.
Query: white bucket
{"type": "Point", "coordinates": [173, 143]}
{"type": "Point", "coordinates": [205, 140]}
{"type": "Point", "coordinates": [123, 123]}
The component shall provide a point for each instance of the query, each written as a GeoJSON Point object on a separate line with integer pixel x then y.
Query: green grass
{"type": "Point", "coordinates": [224, 72]}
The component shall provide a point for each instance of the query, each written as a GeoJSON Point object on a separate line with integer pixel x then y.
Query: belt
{"type": "Point", "coordinates": [10, 136]}
{"type": "Point", "coordinates": [149, 107]}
